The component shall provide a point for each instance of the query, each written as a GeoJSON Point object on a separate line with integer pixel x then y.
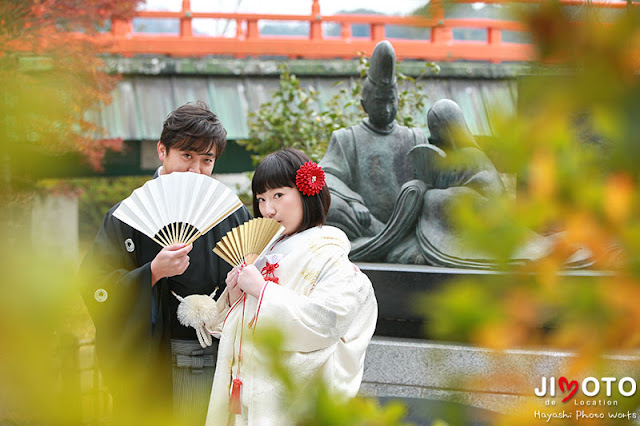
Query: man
{"type": "Point", "coordinates": [129, 280]}
{"type": "Point", "coordinates": [375, 198]}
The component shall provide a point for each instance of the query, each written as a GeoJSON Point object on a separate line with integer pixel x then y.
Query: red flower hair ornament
{"type": "Point", "coordinates": [310, 179]}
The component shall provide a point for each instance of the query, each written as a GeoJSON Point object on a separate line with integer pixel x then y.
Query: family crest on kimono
{"type": "Point", "coordinates": [306, 287]}
{"type": "Point", "coordinates": [146, 356]}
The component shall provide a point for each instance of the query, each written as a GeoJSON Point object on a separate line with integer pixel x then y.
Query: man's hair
{"type": "Point", "coordinates": [193, 127]}
{"type": "Point", "coordinates": [278, 170]}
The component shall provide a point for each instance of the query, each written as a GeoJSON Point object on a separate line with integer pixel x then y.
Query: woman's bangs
{"type": "Point", "coordinates": [271, 174]}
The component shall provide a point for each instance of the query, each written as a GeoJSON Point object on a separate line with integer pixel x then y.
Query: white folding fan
{"type": "Point", "coordinates": [178, 207]}
{"type": "Point", "coordinates": [247, 242]}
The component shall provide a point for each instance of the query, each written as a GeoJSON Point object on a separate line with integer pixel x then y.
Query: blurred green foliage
{"type": "Point", "coordinates": [575, 148]}
{"type": "Point", "coordinates": [42, 321]}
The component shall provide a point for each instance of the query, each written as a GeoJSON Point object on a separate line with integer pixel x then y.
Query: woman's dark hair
{"type": "Point", "coordinates": [278, 170]}
{"type": "Point", "coordinates": [193, 127]}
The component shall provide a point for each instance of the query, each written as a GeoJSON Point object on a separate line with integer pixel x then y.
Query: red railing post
{"type": "Point", "coordinates": [239, 30]}
{"type": "Point", "coordinates": [345, 36]}
{"type": "Point", "coordinates": [315, 7]}
{"type": "Point", "coordinates": [252, 29]}
{"type": "Point", "coordinates": [121, 29]}
{"type": "Point", "coordinates": [345, 31]}
{"type": "Point", "coordinates": [440, 34]}
{"type": "Point", "coordinates": [186, 29]}
{"type": "Point", "coordinates": [494, 39]}
{"type": "Point", "coordinates": [315, 30]}
{"type": "Point", "coordinates": [240, 36]}
{"type": "Point", "coordinates": [377, 32]}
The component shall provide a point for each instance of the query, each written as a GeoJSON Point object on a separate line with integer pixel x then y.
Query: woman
{"type": "Point", "coordinates": [306, 287]}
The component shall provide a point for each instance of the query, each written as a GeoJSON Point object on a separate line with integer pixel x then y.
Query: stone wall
{"type": "Point", "coordinates": [54, 225]}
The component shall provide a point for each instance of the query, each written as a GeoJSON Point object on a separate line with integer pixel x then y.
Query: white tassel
{"type": "Point", "coordinates": [202, 313]}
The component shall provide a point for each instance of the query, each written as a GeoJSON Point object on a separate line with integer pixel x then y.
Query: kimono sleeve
{"type": "Point", "coordinates": [340, 296]}
{"type": "Point", "coordinates": [117, 293]}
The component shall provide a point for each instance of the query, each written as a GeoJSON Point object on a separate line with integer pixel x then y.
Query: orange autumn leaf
{"type": "Point", "coordinates": [542, 175]}
{"type": "Point", "coordinates": [618, 197]}
{"type": "Point", "coordinates": [501, 335]}
{"type": "Point", "coordinates": [583, 230]}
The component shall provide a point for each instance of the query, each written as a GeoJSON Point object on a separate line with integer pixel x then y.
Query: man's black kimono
{"type": "Point", "coordinates": [134, 321]}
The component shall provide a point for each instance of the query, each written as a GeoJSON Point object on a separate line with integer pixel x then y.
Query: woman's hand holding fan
{"type": "Point", "coordinates": [250, 281]}
{"type": "Point", "coordinates": [235, 292]}
{"type": "Point", "coordinates": [242, 245]}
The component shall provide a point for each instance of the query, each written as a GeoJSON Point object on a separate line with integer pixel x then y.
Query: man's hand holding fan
{"type": "Point", "coordinates": [174, 210]}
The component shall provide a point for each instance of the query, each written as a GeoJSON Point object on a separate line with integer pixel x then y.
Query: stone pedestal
{"type": "Point", "coordinates": [442, 380]}
{"type": "Point", "coordinates": [399, 287]}
{"type": "Point", "coordinates": [487, 382]}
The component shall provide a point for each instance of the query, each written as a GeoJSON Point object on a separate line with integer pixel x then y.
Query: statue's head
{"type": "Point", "coordinates": [380, 91]}
{"type": "Point", "coordinates": [448, 127]}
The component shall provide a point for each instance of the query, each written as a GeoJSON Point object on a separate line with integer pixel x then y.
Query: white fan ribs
{"type": "Point", "coordinates": [247, 242]}
{"type": "Point", "coordinates": [178, 207]}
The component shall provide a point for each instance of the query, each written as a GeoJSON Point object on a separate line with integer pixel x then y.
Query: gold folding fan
{"type": "Point", "coordinates": [247, 242]}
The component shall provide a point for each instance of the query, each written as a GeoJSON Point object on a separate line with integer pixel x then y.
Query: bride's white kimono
{"type": "Point", "coordinates": [323, 304]}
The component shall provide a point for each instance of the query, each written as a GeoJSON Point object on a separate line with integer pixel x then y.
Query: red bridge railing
{"type": "Point", "coordinates": [248, 41]}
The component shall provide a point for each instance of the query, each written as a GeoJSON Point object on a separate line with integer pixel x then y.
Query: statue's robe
{"type": "Point", "coordinates": [372, 168]}
{"type": "Point", "coordinates": [465, 173]}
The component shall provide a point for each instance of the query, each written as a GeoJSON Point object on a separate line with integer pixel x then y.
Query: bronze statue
{"type": "Point", "coordinates": [392, 189]}
{"type": "Point", "coordinates": [463, 170]}
{"type": "Point", "coordinates": [375, 196]}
